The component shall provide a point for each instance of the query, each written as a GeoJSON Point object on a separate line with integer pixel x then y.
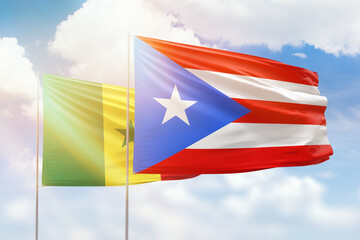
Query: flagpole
{"type": "Point", "coordinates": [37, 163]}
{"type": "Point", "coordinates": [127, 147]}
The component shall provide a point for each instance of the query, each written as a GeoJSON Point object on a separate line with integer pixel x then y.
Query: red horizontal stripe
{"type": "Point", "coordinates": [166, 177]}
{"type": "Point", "coordinates": [279, 112]}
{"type": "Point", "coordinates": [213, 161]}
{"type": "Point", "coordinates": [194, 57]}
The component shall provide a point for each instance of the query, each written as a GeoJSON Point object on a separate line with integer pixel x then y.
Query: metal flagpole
{"type": "Point", "coordinates": [127, 147]}
{"type": "Point", "coordinates": [37, 162]}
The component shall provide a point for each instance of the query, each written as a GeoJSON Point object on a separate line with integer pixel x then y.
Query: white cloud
{"type": "Point", "coordinates": [286, 195]}
{"type": "Point", "coordinates": [18, 210]}
{"type": "Point", "coordinates": [37, 42]}
{"type": "Point", "coordinates": [268, 204]}
{"type": "Point", "coordinates": [30, 110]}
{"type": "Point", "coordinates": [81, 233]}
{"type": "Point", "coordinates": [16, 75]}
{"type": "Point", "coordinates": [271, 202]}
{"type": "Point", "coordinates": [18, 87]}
{"type": "Point", "coordinates": [343, 132]}
{"type": "Point", "coordinates": [179, 194]}
{"type": "Point", "coordinates": [355, 111]}
{"type": "Point", "coordinates": [326, 175]}
{"type": "Point", "coordinates": [330, 25]}
{"type": "Point", "coordinates": [25, 162]}
{"type": "Point", "coordinates": [300, 55]}
{"type": "Point", "coordinates": [95, 37]}
{"type": "Point", "coordinates": [6, 112]}
{"type": "Point", "coordinates": [20, 163]}
{"type": "Point", "coordinates": [18, 92]}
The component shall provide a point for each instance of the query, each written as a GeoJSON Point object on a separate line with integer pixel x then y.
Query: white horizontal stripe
{"type": "Point", "coordinates": [251, 135]}
{"type": "Point", "coordinates": [245, 87]}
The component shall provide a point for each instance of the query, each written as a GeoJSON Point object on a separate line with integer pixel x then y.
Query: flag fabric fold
{"type": "Point", "coordinates": [84, 135]}
{"type": "Point", "coordinates": [248, 113]}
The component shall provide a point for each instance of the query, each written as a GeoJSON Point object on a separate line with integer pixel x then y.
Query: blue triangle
{"type": "Point", "coordinates": [155, 77]}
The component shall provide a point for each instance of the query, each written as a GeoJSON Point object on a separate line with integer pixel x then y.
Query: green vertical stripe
{"type": "Point", "coordinates": [73, 151]}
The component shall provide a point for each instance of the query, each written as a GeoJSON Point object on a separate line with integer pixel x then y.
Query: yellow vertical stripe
{"type": "Point", "coordinates": [114, 117]}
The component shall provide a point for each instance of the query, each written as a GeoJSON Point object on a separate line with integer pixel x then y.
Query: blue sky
{"type": "Point", "coordinates": [87, 40]}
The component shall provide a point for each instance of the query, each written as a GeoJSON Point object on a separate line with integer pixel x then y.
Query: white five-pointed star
{"type": "Point", "coordinates": [175, 106]}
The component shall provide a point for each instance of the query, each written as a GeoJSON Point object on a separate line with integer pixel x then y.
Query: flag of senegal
{"type": "Point", "coordinates": [84, 135]}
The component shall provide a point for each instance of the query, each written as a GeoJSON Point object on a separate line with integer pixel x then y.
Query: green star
{"type": "Point", "coordinates": [131, 133]}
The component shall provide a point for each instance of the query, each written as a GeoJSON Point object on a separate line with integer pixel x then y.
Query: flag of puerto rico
{"type": "Point", "coordinates": [203, 111]}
